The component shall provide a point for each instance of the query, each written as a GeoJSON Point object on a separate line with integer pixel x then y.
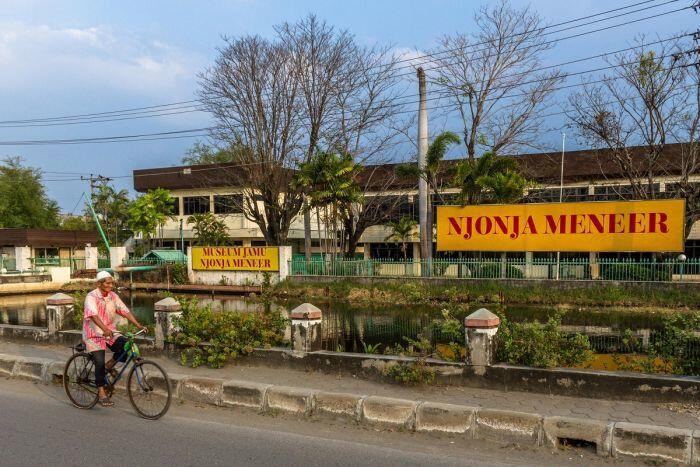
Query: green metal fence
{"type": "Point", "coordinates": [499, 268]}
{"type": "Point", "coordinates": [149, 262]}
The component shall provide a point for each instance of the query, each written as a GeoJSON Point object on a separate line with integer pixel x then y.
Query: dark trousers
{"type": "Point", "coordinates": [99, 355]}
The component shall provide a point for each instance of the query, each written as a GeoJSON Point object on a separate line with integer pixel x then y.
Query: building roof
{"type": "Point", "coordinates": [544, 168]}
{"type": "Point", "coordinates": [168, 256]}
{"type": "Point", "coordinates": [45, 238]}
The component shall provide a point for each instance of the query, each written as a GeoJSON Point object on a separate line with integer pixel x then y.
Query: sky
{"type": "Point", "coordinates": [61, 58]}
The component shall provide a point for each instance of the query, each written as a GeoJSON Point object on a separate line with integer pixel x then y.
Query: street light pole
{"type": "Point", "coordinates": [561, 190]}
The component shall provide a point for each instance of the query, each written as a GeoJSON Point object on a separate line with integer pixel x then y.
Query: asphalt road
{"type": "Point", "coordinates": [39, 427]}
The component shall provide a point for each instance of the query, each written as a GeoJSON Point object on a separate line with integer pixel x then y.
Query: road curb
{"type": "Point", "coordinates": [617, 439]}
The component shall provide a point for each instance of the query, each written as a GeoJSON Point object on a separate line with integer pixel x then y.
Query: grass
{"type": "Point", "coordinates": [489, 292]}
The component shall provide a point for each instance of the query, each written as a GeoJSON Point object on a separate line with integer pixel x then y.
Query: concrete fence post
{"type": "Point", "coordinates": [91, 255]}
{"type": "Point", "coordinates": [306, 328]}
{"type": "Point", "coordinates": [481, 328]}
{"type": "Point", "coordinates": [58, 307]}
{"type": "Point", "coordinates": [166, 311]}
{"type": "Point", "coordinates": [117, 255]}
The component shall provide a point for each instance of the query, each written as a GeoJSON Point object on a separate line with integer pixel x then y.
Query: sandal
{"type": "Point", "coordinates": [113, 373]}
{"type": "Point", "coordinates": [105, 402]}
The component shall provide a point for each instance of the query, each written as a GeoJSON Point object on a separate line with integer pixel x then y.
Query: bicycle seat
{"type": "Point", "coordinates": [80, 347]}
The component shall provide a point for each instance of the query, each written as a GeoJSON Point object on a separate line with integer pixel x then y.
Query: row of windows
{"type": "Point", "coordinates": [223, 204]}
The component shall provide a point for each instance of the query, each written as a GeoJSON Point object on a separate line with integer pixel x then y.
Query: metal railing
{"type": "Point", "coordinates": [8, 264]}
{"type": "Point", "coordinates": [644, 270]}
{"type": "Point", "coordinates": [75, 264]}
{"type": "Point", "coordinates": [150, 262]}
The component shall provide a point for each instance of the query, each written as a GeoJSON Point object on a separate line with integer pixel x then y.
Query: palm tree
{"type": "Point", "coordinates": [329, 180]}
{"type": "Point", "coordinates": [476, 177]}
{"type": "Point", "coordinates": [402, 230]}
{"type": "Point", "coordinates": [504, 187]}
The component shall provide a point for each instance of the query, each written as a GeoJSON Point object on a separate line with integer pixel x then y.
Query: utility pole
{"type": "Point", "coordinates": [426, 234]}
{"type": "Point", "coordinates": [561, 191]}
{"type": "Point", "coordinates": [95, 180]}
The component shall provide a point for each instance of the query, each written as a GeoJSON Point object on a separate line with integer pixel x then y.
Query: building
{"type": "Point", "coordinates": [24, 249]}
{"type": "Point", "coordinates": [589, 175]}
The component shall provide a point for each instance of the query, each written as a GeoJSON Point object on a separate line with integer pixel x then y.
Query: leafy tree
{"type": "Point", "coordinates": [209, 230]}
{"type": "Point", "coordinates": [201, 153]}
{"type": "Point", "coordinates": [402, 231]}
{"type": "Point", "coordinates": [76, 223]}
{"type": "Point", "coordinates": [112, 208]}
{"type": "Point", "coordinates": [23, 199]}
{"type": "Point", "coordinates": [149, 212]}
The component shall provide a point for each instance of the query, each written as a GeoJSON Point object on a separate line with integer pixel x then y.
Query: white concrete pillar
{"type": "Point", "coordinates": [166, 312]}
{"type": "Point", "coordinates": [481, 328]}
{"type": "Point", "coordinates": [117, 255]}
{"type": "Point", "coordinates": [366, 251]}
{"type": "Point", "coordinates": [306, 328]}
{"type": "Point", "coordinates": [528, 264]}
{"type": "Point", "coordinates": [285, 256]}
{"type": "Point", "coordinates": [593, 264]}
{"type": "Point", "coordinates": [91, 254]}
{"type": "Point", "coordinates": [23, 255]}
{"type": "Point", "coordinates": [58, 307]}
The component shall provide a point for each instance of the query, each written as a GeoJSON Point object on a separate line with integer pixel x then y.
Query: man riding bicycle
{"type": "Point", "coordinates": [102, 306]}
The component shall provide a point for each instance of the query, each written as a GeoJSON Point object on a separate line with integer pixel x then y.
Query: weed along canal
{"type": "Point", "coordinates": [367, 328]}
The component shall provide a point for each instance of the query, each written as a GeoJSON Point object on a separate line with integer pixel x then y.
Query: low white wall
{"type": "Point", "coordinates": [240, 277]}
{"type": "Point", "coordinates": [59, 274]}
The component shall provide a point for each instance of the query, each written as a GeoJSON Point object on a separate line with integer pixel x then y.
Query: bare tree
{"type": "Point", "coordinates": [641, 102]}
{"type": "Point", "coordinates": [487, 76]}
{"type": "Point", "coordinates": [255, 101]}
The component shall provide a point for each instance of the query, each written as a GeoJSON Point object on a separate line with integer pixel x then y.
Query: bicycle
{"type": "Point", "coordinates": [147, 382]}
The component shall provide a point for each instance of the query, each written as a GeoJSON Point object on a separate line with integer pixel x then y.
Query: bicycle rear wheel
{"type": "Point", "coordinates": [79, 380]}
{"type": "Point", "coordinates": [149, 389]}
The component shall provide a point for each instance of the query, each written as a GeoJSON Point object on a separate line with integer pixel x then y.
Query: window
{"type": "Point", "coordinates": [228, 204]}
{"type": "Point", "coordinates": [551, 195]}
{"type": "Point", "coordinates": [175, 206]}
{"type": "Point", "coordinates": [258, 243]}
{"type": "Point", "coordinates": [619, 192]}
{"type": "Point", "coordinates": [195, 205]}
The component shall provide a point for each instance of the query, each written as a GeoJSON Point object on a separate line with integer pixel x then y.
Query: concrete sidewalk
{"type": "Point", "coordinates": [668, 415]}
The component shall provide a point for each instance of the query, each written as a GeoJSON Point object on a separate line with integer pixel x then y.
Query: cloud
{"type": "Point", "coordinates": [92, 58]}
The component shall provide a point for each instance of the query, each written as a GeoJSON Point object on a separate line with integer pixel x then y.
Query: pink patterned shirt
{"type": "Point", "coordinates": [106, 308]}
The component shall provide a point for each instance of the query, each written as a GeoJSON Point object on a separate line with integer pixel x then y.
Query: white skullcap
{"type": "Point", "coordinates": [102, 275]}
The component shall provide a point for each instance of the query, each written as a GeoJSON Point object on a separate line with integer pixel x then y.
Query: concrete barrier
{"type": "Point", "coordinates": [386, 411]}
{"type": "Point", "coordinates": [653, 443]}
{"type": "Point", "coordinates": [202, 390]}
{"type": "Point", "coordinates": [508, 426]}
{"type": "Point", "coordinates": [288, 399]}
{"type": "Point", "coordinates": [31, 368]}
{"type": "Point", "coordinates": [446, 418]}
{"type": "Point", "coordinates": [54, 372]}
{"type": "Point", "coordinates": [695, 456]}
{"type": "Point", "coordinates": [244, 394]}
{"type": "Point", "coordinates": [339, 405]}
{"type": "Point", "coordinates": [7, 365]}
{"type": "Point", "coordinates": [560, 429]}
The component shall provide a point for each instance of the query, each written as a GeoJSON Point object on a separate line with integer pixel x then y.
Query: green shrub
{"type": "Point", "coordinates": [211, 338]}
{"type": "Point", "coordinates": [77, 317]}
{"type": "Point", "coordinates": [541, 345]}
{"type": "Point", "coordinates": [178, 273]}
{"type": "Point", "coordinates": [493, 271]}
{"type": "Point", "coordinates": [678, 343]}
{"type": "Point", "coordinates": [635, 272]}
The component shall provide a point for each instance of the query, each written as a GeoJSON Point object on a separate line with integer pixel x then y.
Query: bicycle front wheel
{"type": "Point", "coordinates": [79, 381]}
{"type": "Point", "coordinates": [149, 389]}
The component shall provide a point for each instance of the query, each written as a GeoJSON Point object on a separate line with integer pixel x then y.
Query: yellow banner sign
{"type": "Point", "coordinates": [653, 226]}
{"type": "Point", "coordinates": [235, 258]}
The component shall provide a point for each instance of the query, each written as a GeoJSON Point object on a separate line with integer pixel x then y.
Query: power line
{"type": "Point", "coordinates": [162, 107]}
{"type": "Point", "coordinates": [396, 104]}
